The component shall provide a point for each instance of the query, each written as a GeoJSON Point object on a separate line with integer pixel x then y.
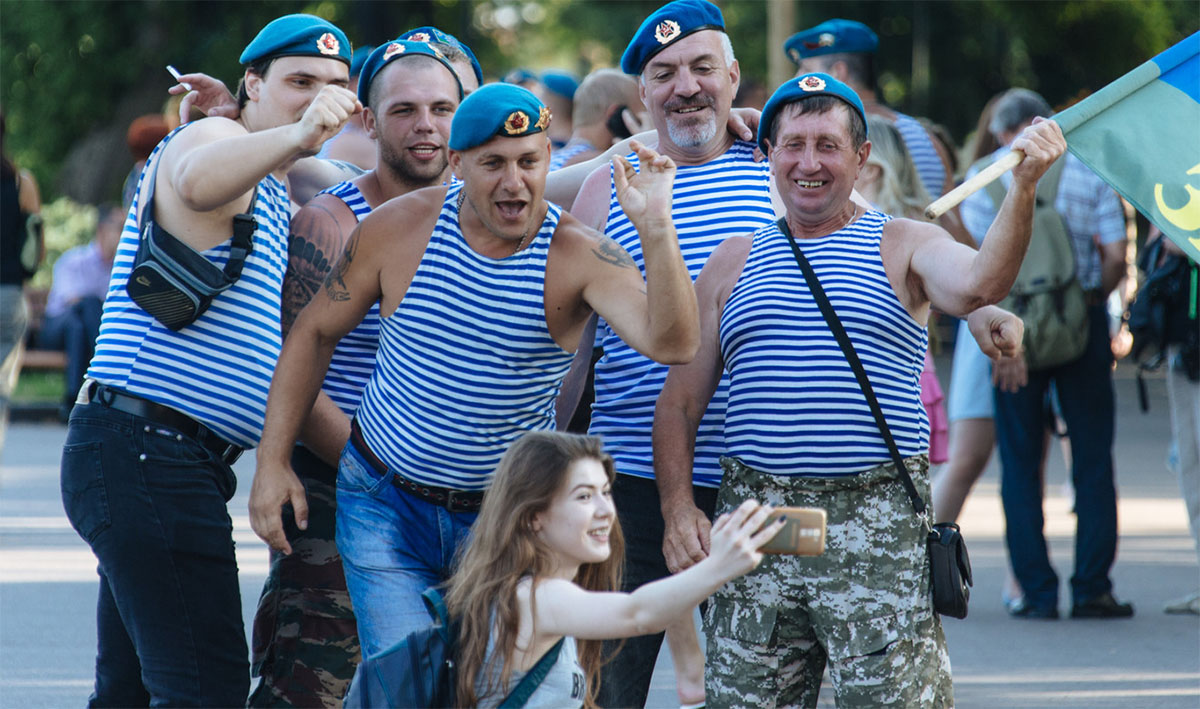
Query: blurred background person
{"type": "Point", "coordinates": [76, 299]}
{"type": "Point", "coordinates": [144, 133]}
{"type": "Point", "coordinates": [557, 90]}
{"type": "Point", "coordinates": [22, 249]}
{"type": "Point", "coordinates": [599, 116]}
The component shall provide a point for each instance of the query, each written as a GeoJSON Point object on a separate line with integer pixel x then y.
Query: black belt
{"type": "Point", "coordinates": [144, 408]}
{"type": "Point", "coordinates": [453, 500]}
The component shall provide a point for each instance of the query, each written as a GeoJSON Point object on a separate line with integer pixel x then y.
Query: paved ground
{"type": "Point", "coordinates": [48, 588]}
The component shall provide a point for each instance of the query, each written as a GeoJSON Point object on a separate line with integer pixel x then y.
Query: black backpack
{"type": "Point", "coordinates": [419, 670]}
{"type": "Point", "coordinates": [1164, 313]}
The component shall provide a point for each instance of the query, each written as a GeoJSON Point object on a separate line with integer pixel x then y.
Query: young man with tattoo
{"type": "Point", "coordinates": [481, 305]}
{"type": "Point", "coordinates": [305, 644]}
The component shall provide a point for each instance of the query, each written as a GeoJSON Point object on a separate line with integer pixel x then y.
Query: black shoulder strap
{"type": "Point", "coordinates": [532, 679]}
{"type": "Point", "coordinates": [839, 332]}
{"type": "Point", "coordinates": [243, 224]}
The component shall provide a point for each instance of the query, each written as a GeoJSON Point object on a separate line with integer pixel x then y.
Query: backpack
{"type": "Point", "coordinates": [1164, 313]}
{"type": "Point", "coordinates": [416, 672]}
{"type": "Point", "coordinates": [419, 670]}
{"type": "Point", "coordinates": [1046, 294]}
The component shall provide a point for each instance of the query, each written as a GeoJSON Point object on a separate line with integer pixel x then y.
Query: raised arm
{"type": "Point", "coordinates": [348, 293]}
{"type": "Point", "coordinates": [656, 317]}
{"type": "Point", "coordinates": [681, 405]}
{"type": "Point", "coordinates": [566, 609]}
{"type": "Point", "coordinates": [958, 280]}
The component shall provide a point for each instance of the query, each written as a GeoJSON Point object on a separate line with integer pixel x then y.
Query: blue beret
{"type": "Point", "coordinates": [519, 76]}
{"type": "Point", "coordinates": [497, 109]}
{"type": "Point", "coordinates": [385, 54]}
{"type": "Point", "coordinates": [359, 58]}
{"type": "Point", "coordinates": [298, 36]}
{"type": "Point", "coordinates": [831, 37]}
{"type": "Point", "coordinates": [804, 87]}
{"type": "Point", "coordinates": [667, 25]}
{"type": "Point", "coordinates": [433, 34]}
{"type": "Point", "coordinates": [560, 82]}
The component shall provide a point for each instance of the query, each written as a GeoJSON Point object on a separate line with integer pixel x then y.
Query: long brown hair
{"type": "Point", "coordinates": [503, 549]}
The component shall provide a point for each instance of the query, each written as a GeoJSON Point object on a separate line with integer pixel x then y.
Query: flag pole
{"type": "Point", "coordinates": [985, 176]}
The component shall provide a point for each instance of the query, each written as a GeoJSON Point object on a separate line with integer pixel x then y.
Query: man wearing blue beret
{"type": "Point", "coordinates": [798, 429]}
{"type": "Point", "coordinates": [305, 643]}
{"type": "Point", "coordinates": [846, 50]}
{"type": "Point", "coordinates": [482, 302]}
{"type": "Point", "coordinates": [687, 78]}
{"type": "Point", "coordinates": [166, 410]}
{"type": "Point", "coordinates": [460, 56]}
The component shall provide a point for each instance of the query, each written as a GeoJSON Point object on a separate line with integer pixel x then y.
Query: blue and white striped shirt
{"type": "Point", "coordinates": [795, 406]}
{"type": "Point", "coordinates": [930, 167]}
{"type": "Point", "coordinates": [728, 196]}
{"type": "Point", "coordinates": [218, 369]}
{"type": "Point", "coordinates": [466, 363]}
{"type": "Point", "coordinates": [354, 358]}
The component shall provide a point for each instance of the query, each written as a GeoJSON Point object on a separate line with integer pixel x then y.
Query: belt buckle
{"type": "Point", "coordinates": [456, 503]}
{"type": "Point", "coordinates": [231, 454]}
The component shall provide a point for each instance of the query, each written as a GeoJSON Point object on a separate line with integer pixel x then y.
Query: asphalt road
{"type": "Point", "coordinates": [48, 587]}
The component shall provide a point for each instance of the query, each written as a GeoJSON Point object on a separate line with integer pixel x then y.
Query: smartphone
{"type": "Point", "coordinates": [616, 124]}
{"type": "Point", "coordinates": [803, 531]}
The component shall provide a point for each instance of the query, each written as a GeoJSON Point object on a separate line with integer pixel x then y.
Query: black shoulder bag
{"type": "Point", "coordinates": [949, 566]}
{"type": "Point", "coordinates": [174, 282]}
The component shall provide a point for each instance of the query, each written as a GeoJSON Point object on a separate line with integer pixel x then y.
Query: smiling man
{"type": "Point", "coordinates": [481, 305]}
{"type": "Point", "coordinates": [165, 411]}
{"type": "Point", "coordinates": [798, 429]}
{"type": "Point", "coordinates": [305, 646]}
{"type": "Point", "coordinates": [687, 78]}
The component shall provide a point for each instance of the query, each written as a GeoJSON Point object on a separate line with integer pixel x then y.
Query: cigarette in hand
{"type": "Point", "coordinates": [175, 73]}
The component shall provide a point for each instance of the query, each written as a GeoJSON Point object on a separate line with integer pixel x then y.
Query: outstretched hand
{"type": "Point", "coordinates": [738, 535]}
{"type": "Point", "coordinates": [208, 95]}
{"type": "Point", "coordinates": [325, 116]}
{"type": "Point", "coordinates": [645, 193]}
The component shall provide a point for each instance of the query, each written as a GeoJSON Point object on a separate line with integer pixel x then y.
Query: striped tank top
{"type": "Point", "coordinates": [795, 407]}
{"type": "Point", "coordinates": [218, 369]}
{"type": "Point", "coordinates": [466, 363]}
{"type": "Point", "coordinates": [728, 196]}
{"type": "Point", "coordinates": [354, 358]}
{"type": "Point", "coordinates": [924, 154]}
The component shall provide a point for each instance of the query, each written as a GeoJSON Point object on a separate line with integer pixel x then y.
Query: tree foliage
{"type": "Point", "coordinates": [73, 74]}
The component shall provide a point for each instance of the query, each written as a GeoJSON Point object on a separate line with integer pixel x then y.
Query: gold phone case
{"type": "Point", "coordinates": [803, 534]}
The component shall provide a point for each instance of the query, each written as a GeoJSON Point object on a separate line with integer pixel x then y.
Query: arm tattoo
{"type": "Point", "coordinates": [314, 237]}
{"type": "Point", "coordinates": [610, 252]}
{"type": "Point", "coordinates": [335, 283]}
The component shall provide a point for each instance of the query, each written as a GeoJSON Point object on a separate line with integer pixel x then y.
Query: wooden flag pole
{"type": "Point", "coordinates": [951, 199]}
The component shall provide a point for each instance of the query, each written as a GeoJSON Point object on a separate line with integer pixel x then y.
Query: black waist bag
{"type": "Point", "coordinates": [949, 570]}
{"type": "Point", "coordinates": [174, 282]}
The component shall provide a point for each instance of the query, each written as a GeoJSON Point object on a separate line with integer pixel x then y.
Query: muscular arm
{"type": "Point", "coordinates": [681, 405]}
{"type": "Point", "coordinates": [319, 233]}
{"type": "Point", "coordinates": [663, 323]}
{"type": "Point", "coordinates": [957, 281]}
{"type": "Point", "coordinates": [348, 292]}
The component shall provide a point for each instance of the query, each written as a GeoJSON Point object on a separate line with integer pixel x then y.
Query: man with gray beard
{"type": "Point", "coordinates": [687, 78]}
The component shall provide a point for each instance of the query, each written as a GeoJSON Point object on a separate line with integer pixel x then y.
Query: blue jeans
{"type": "Point", "coordinates": [1085, 396]}
{"type": "Point", "coordinates": [393, 547]}
{"type": "Point", "coordinates": [151, 504]}
{"type": "Point", "coordinates": [625, 680]}
{"type": "Point", "coordinates": [74, 332]}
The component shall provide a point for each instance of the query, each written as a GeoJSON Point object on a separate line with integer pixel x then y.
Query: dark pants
{"type": "Point", "coordinates": [152, 506]}
{"type": "Point", "coordinates": [74, 332]}
{"type": "Point", "coordinates": [625, 681]}
{"type": "Point", "coordinates": [1085, 396]}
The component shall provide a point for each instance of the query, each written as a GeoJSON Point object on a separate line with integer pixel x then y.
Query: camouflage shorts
{"type": "Point", "coordinates": [305, 640]}
{"type": "Point", "coordinates": [863, 607]}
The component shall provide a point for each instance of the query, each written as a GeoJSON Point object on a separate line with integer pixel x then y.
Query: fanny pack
{"type": "Point", "coordinates": [949, 566]}
{"type": "Point", "coordinates": [174, 282]}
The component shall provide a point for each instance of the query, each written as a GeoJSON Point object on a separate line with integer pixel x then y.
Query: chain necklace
{"type": "Point", "coordinates": [462, 195]}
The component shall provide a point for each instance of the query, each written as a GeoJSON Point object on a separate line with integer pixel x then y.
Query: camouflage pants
{"type": "Point", "coordinates": [864, 607]}
{"type": "Point", "coordinates": [305, 640]}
